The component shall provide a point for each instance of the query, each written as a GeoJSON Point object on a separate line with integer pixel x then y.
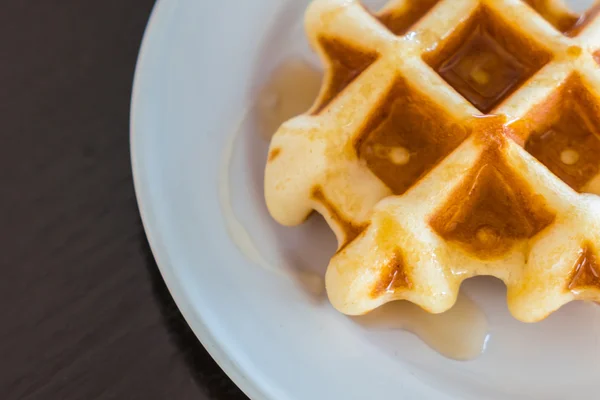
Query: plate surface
{"type": "Point", "coordinates": [243, 283]}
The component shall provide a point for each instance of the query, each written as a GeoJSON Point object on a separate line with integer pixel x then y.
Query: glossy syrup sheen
{"type": "Point", "coordinates": [560, 18]}
{"type": "Point", "coordinates": [290, 91]}
{"type": "Point", "coordinates": [393, 276]}
{"type": "Point", "coordinates": [586, 272]}
{"type": "Point", "coordinates": [486, 60]}
{"type": "Point", "coordinates": [497, 209]}
{"type": "Point", "coordinates": [567, 123]}
{"type": "Point", "coordinates": [460, 333]}
{"type": "Point", "coordinates": [406, 123]}
{"type": "Point", "coordinates": [564, 20]}
{"type": "Point", "coordinates": [347, 63]}
{"type": "Point", "coordinates": [482, 71]}
{"type": "Point", "coordinates": [400, 20]}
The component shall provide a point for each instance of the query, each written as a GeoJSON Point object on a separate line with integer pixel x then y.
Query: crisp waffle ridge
{"type": "Point", "coordinates": [451, 139]}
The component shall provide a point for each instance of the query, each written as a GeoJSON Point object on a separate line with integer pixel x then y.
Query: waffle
{"type": "Point", "coordinates": [451, 139]}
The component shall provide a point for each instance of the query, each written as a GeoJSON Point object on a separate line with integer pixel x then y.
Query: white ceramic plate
{"type": "Point", "coordinates": [201, 67]}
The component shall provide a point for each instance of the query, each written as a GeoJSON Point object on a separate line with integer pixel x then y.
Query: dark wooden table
{"type": "Point", "coordinates": [84, 313]}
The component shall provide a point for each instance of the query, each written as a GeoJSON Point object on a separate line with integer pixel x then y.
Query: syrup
{"type": "Point", "coordinates": [238, 233]}
{"type": "Point", "coordinates": [570, 146]}
{"type": "Point", "coordinates": [483, 71]}
{"type": "Point", "coordinates": [290, 91]}
{"type": "Point", "coordinates": [460, 333]}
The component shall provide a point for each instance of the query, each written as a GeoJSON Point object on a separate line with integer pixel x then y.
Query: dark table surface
{"type": "Point", "coordinates": [84, 312]}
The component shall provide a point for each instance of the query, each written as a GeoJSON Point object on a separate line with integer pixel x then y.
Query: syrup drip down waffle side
{"type": "Point", "coordinates": [451, 139]}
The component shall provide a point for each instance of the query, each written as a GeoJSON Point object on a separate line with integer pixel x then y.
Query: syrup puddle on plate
{"type": "Point", "coordinates": [460, 333]}
{"type": "Point", "coordinates": [278, 101]}
{"type": "Point", "coordinates": [290, 91]}
{"type": "Point", "coordinates": [239, 234]}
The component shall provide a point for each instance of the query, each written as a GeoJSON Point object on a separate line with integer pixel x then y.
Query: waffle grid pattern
{"type": "Point", "coordinates": [432, 168]}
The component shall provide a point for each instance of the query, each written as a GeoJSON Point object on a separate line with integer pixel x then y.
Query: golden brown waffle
{"type": "Point", "coordinates": [451, 138]}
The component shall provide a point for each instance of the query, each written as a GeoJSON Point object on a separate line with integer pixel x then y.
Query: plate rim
{"type": "Point", "coordinates": [193, 319]}
{"type": "Point", "coordinates": [145, 79]}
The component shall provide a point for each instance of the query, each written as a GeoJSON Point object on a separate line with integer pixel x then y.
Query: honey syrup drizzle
{"type": "Point", "coordinates": [566, 138]}
{"type": "Point", "coordinates": [290, 91]}
{"type": "Point", "coordinates": [586, 272]}
{"type": "Point", "coordinates": [462, 332]}
{"type": "Point", "coordinates": [486, 60]}
{"type": "Point", "coordinates": [499, 208]}
{"type": "Point", "coordinates": [399, 21]}
{"type": "Point", "coordinates": [482, 71]}
{"type": "Point", "coordinates": [562, 18]}
{"type": "Point", "coordinates": [406, 137]}
{"type": "Point", "coordinates": [347, 63]}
